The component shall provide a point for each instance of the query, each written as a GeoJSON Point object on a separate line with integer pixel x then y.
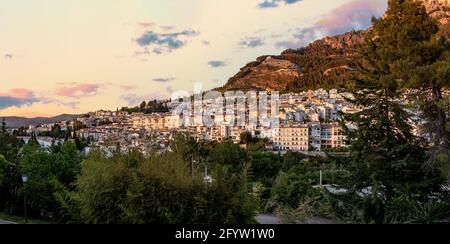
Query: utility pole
{"type": "Point", "coordinates": [25, 180]}
{"type": "Point", "coordinates": [320, 179]}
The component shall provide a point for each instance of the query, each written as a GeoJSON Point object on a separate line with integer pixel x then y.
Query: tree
{"type": "Point", "coordinates": [385, 154]}
{"type": "Point", "coordinates": [33, 139]}
{"type": "Point", "coordinates": [246, 138]}
{"type": "Point", "coordinates": [77, 125]}
{"type": "Point", "coordinates": [3, 128]}
{"type": "Point", "coordinates": [56, 131]}
{"type": "Point", "coordinates": [10, 187]}
{"type": "Point", "coordinates": [48, 173]}
{"type": "Point", "coordinates": [265, 165]}
{"type": "Point", "coordinates": [291, 159]}
{"type": "Point", "coordinates": [143, 106]}
{"type": "Point", "coordinates": [161, 189]}
{"type": "Point", "coordinates": [229, 155]}
{"type": "Point", "coordinates": [420, 61]}
{"type": "Point", "coordinates": [188, 149]}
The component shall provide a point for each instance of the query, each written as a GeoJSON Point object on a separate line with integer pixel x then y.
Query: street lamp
{"type": "Point", "coordinates": [25, 180]}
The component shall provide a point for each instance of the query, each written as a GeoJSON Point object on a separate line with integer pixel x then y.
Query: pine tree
{"type": "Point", "coordinates": [421, 62]}
{"type": "Point", "coordinates": [385, 154]}
{"type": "Point", "coordinates": [33, 140]}
{"type": "Point", "coordinates": [3, 128]}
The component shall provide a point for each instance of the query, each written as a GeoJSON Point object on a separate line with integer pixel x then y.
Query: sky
{"type": "Point", "coordinates": [76, 56]}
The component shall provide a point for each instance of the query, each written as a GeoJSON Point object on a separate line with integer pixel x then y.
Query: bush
{"type": "Point", "coordinates": [157, 190]}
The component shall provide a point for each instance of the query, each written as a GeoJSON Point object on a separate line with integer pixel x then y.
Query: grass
{"type": "Point", "coordinates": [20, 219]}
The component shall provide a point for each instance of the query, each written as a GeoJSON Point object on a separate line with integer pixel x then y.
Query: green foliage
{"type": "Point", "coordinates": [77, 125]}
{"type": "Point", "coordinates": [188, 150]}
{"type": "Point", "coordinates": [415, 56]}
{"type": "Point", "coordinates": [101, 190]}
{"type": "Point", "coordinates": [291, 159]}
{"type": "Point", "coordinates": [33, 141]}
{"type": "Point", "coordinates": [291, 188]}
{"type": "Point", "coordinates": [9, 185]}
{"type": "Point", "coordinates": [247, 138]}
{"type": "Point", "coordinates": [229, 155]}
{"type": "Point", "coordinates": [48, 173]}
{"type": "Point", "coordinates": [154, 106]}
{"type": "Point", "coordinates": [161, 189]}
{"type": "Point", "coordinates": [10, 179]}
{"type": "Point", "coordinates": [384, 152]}
{"type": "Point", "coordinates": [405, 209]}
{"type": "Point", "coordinates": [265, 165]}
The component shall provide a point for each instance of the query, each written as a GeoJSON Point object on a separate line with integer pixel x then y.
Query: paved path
{"type": "Point", "coordinates": [4, 222]}
{"type": "Point", "coordinates": [267, 219]}
{"type": "Point", "coordinates": [317, 221]}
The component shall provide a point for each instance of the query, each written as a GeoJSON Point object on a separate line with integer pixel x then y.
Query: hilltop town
{"type": "Point", "coordinates": [307, 121]}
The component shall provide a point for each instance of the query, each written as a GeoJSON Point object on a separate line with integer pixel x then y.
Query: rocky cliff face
{"type": "Point", "coordinates": [438, 9]}
{"type": "Point", "coordinates": [266, 73]}
{"type": "Point", "coordinates": [324, 63]}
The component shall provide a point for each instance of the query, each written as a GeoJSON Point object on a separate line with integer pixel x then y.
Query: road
{"type": "Point", "coordinates": [4, 222]}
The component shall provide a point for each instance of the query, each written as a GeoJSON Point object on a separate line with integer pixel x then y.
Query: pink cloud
{"type": "Point", "coordinates": [17, 97]}
{"type": "Point", "coordinates": [78, 90]}
{"type": "Point", "coordinates": [354, 15]}
{"type": "Point", "coordinates": [18, 93]}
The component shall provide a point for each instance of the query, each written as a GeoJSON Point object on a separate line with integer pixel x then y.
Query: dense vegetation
{"type": "Point", "coordinates": [323, 65]}
{"type": "Point", "coordinates": [154, 106]}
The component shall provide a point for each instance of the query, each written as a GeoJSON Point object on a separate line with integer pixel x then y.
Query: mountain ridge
{"type": "Point", "coordinates": [324, 63]}
{"type": "Point", "coordinates": [17, 122]}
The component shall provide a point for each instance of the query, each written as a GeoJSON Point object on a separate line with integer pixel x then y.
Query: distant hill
{"type": "Point", "coordinates": [325, 63]}
{"type": "Point", "coordinates": [16, 122]}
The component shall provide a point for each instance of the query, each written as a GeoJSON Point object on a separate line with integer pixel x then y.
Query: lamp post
{"type": "Point", "coordinates": [25, 180]}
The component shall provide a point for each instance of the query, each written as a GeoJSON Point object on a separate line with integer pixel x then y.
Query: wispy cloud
{"type": "Point", "coordinates": [17, 97]}
{"type": "Point", "coordinates": [251, 42]}
{"type": "Point", "coordinates": [78, 90]}
{"type": "Point", "coordinates": [164, 42]}
{"type": "Point", "coordinates": [276, 3]}
{"type": "Point", "coordinates": [52, 100]}
{"type": "Point", "coordinates": [353, 15]}
{"type": "Point", "coordinates": [164, 80]}
{"type": "Point", "coordinates": [127, 87]}
{"type": "Point", "coordinates": [146, 24]}
{"type": "Point", "coordinates": [217, 63]}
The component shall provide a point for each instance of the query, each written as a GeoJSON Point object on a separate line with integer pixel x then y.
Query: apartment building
{"type": "Point", "coordinates": [332, 136]}
{"type": "Point", "coordinates": [294, 138]}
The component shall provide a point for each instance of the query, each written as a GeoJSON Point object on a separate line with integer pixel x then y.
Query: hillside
{"type": "Point", "coordinates": [16, 122]}
{"type": "Point", "coordinates": [325, 63]}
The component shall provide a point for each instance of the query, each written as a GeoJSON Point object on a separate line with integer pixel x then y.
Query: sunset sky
{"type": "Point", "coordinates": [76, 56]}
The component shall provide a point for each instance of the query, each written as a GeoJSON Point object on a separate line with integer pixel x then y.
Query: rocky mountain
{"type": "Point", "coordinates": [325, 63]}
{"type": "Point", "coordinates": [438, 9]}
{"type": "Point", "coordinates": [17, 122]}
